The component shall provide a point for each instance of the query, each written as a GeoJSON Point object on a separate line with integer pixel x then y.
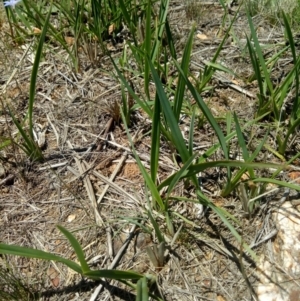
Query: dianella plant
{"type": "Point", "coordinates": [81, 266]}
{"type": "Point", "coordinates": [274, 98]}
{"type": "Point", "coordinates": [29, 144]}
{"type": "Point", "coordinates": [164, 108]}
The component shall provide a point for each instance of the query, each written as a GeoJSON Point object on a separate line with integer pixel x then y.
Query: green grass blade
{"type": "Point", "coordinates": [215, 147]}
{"type": "Point", "coordinates": [241, 139]}
{"type": "Point", "coordinates": [141, 103]}
{"type": "Point", "coordinates": [125, 13]}
{"type": "Point", "coordinates": [257, 72]}
{"type": "Point", "coordinates": [77, 248]}
{"type": "Point", "coordinates": [169, 223]}
{"type": "Point", "coordinates": [96, 11]}
{"type": "Point", "coordinates": [151, 185]}
{"type": "Point", "coordinates": [293, 50]}
{"type": "Point", "coordinates": [155, 140]}
{"type": "Point", "coordinates": [261, 59]}
{"type": "Point", "coordinates": [218, 66]}
{"type": "Point", "coordinates": [33, 253]}
{"type": "Point", "coordinates": [224, 4]}
{"type": "Point", "coordinates": [242, 144]}
{"type": "Point", "coordinates": [277, 182]}
{"type": "Point", "coordinates": [287, 82]}
{"type": "Point", "coordinates": [34, 73]}
{"type": "Point", "coordinates": [147, 48]}
{"type": "Point", "coordinates": [25, 21]}
{"type": "Point", "coordinates": [35, 14]}
{"type": "Point", "coordinates": [209, 70]}
{"type": "Point", "coordinates": [225, 36]}
{"type": "Point", "coordinates": [29, 146]}
{"type": "Point", "coordinates": [4, 142]}
{"type": "Point", "coordinates": [207, 113]}
{"type": "Point", "coordinates": [139, 290]}
{"type": "Point", "coordinates": [238, 175]}
{"type": "Point", "coordinates": [176, 135]}
{"type": "Point", "coordinates": [179, 94]}
{"type": "Point", "coordinates": [283, 144]}
{"type": "Point", "coordinates": [155, 225]}
{"type": "Point", "coordinates": [130, 23]}
{"type": "Point", "coordinates": [145, 295]}
{"type": "Point", "coordinates": [163, 12]}
{"type": "Point", "coordinates": [223, 214]}
{"type": "Point", "coordinates": [180, 174]}
{"type": "Point", "coordinates": [228, 122]}
{"type": "Point", "coordinates": [196, 168]}
{"type": "Point", "coordinates": [170, 40]}
{"type": "Point", "coordinates": [191, 133]}
{"type": "Point", "coordinates": [112, 274]}
{"type": "Point", "coordinates": [67, 13]}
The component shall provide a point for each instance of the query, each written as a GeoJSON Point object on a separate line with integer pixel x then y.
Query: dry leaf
{"type": "Point", "coordinates": [295, 175]}
{"type": "Point", "coordinates": [234, 81]}
{"type": "Point", "coordinates": [271, 186]}
{"type": "Point", "coordinates": [71, 217]}
{"type": "Point", "coordinates": [55, 282]}
{"type": "Point", "coordinates": [110, 47]}
{"type": "Point", "coordinates": [296, 162]}
{"type": "Point", "coordinates": [252, 185]}
{"type": "Point", "coordinates": [36, 31]}
{"type": "Point", "coordinates": [53, 274]}
{"type": "Point", "coordinates": [220, 298]}
{"type": "Point", "coordinates": [192, 80]}
{"type": "Point", "coordinates": [245, 176]}
{"type": "Point", "coordinates": [207, 283]}
{"type": "Point", "coordinates": [201, 36]}
{"type": "Point", "coordinates": [219, 202]}
{"type": "Point", "coordinates": [70, 40]}
{"type": "Point", "coordinates": [111, 28]}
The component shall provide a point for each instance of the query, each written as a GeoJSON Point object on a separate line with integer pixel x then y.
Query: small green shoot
{"type": "Point", "coordinates": [81, 268]}
{"type": "Point", "coordinates": [29, 146]}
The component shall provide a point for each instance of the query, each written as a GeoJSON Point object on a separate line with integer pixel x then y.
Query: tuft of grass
{"type": "Point", "coordinates": [193, 10]}
{"type": "Point", "coordinates": [272, 97]}
{"type": "Point", "coordinates": [12, 287]}
{"type": "Point", "coordinates": [81, 267]}
{"type": "Point", "coordinates": [271, 9]}
{"type": "Point", "coordinates": [165, 116]}
{"type": "Point", "coordinates": [29, 144]}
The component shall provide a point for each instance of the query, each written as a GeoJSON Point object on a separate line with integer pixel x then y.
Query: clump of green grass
{"type": "Point", "coordinates": [29, 144]}
{"type": "Point", "coordinates": [12, 287]}
{"type": "Point", "coordinates": [193, 10]}
{"type": "Point", "coordinates": [272, 8]}
{"type": "Point", "coordinates": [272, 97]}
{"type": "Point", "coordinates": [81, 267]}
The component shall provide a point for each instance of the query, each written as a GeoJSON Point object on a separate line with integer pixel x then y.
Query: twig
{"type": "Point", "coordinates": [109, 242]}
{"type": "Point", "coordinates": [115, 186]}
{"type": "Point", "coordinates": [54, 130]}
{"type": "Point", "coordinates": [115, 261]}
{"type": "Point", "coordinates": [90, 191]}
{"type": "Point", "coordinates": [112, 177]}
{"type": "Point", "coordinates": [7, 179]}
